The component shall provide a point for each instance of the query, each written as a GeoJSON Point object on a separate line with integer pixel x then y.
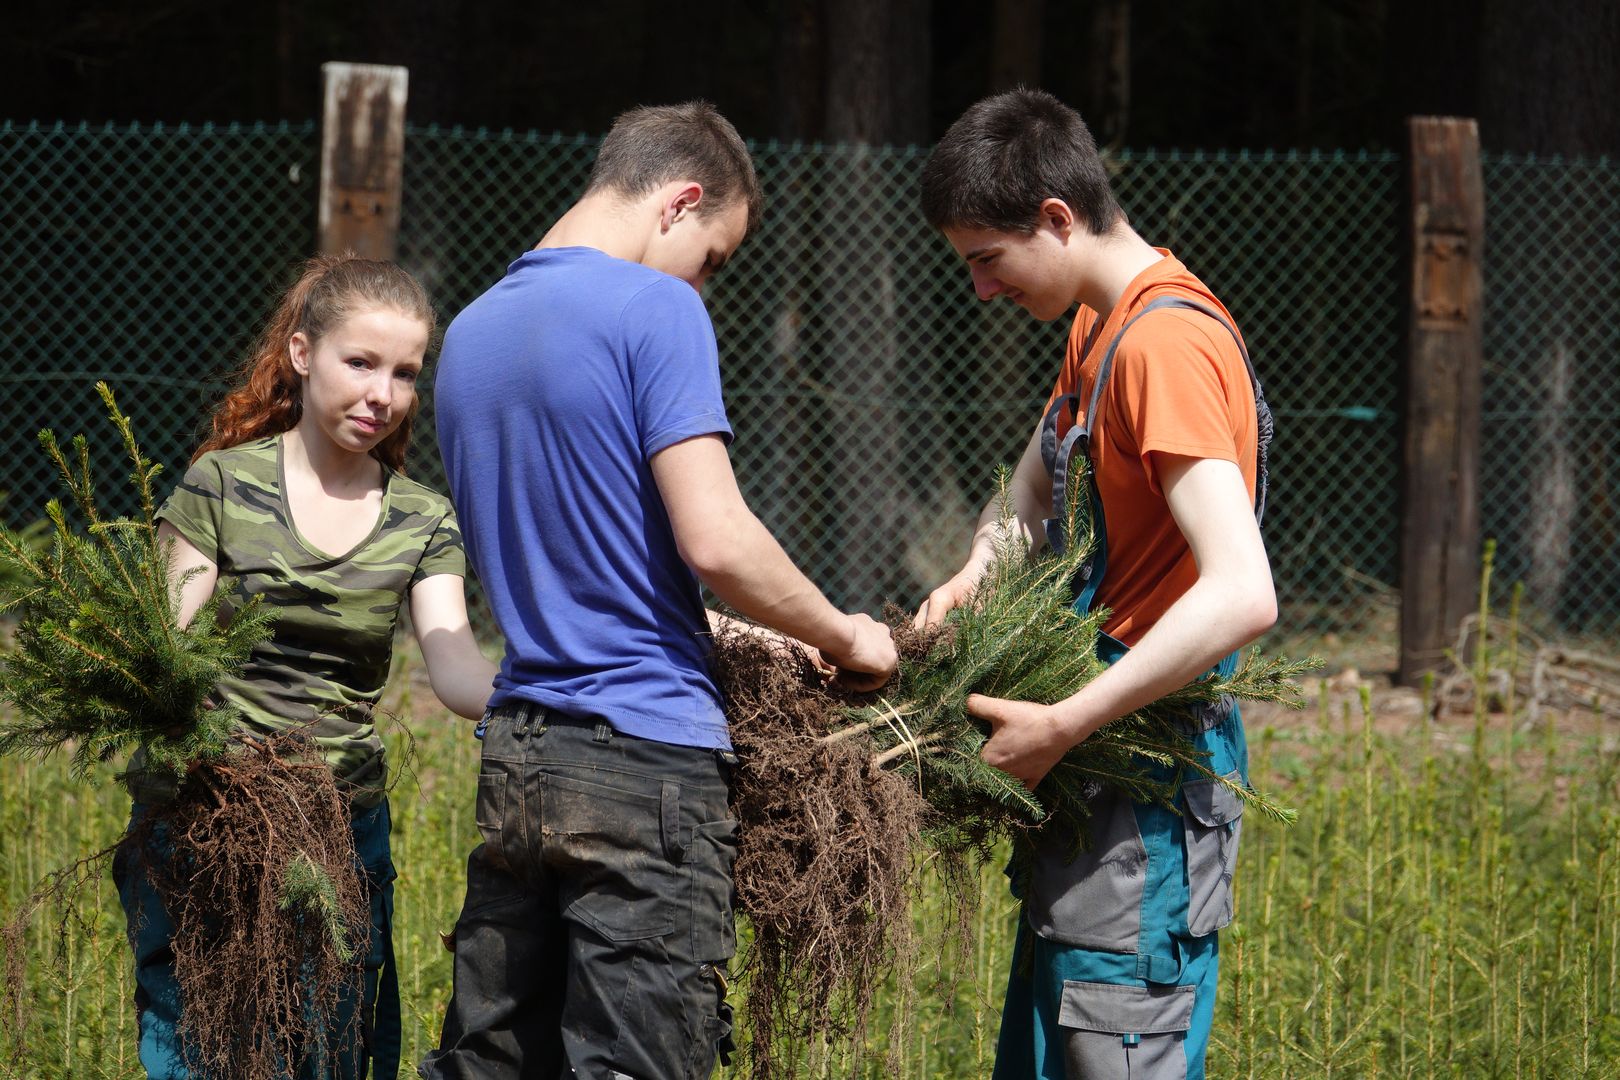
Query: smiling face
{"type": "Point", "coordinates": [359, 379]}
{"type": "Point", "coordinates": [1034, 270]}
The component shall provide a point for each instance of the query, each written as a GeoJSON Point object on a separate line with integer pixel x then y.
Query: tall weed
{"type": "Point", "coordinates": [1448, 905]}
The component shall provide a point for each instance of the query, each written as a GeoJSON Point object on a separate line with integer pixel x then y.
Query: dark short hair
{"type": "Point", "coordinates": [655, 144]}
{"type": "Point", "coordinates": [1008, 154]}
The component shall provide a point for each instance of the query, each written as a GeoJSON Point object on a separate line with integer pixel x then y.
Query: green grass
{"type": "Point", "coordinates": [1447, 906]}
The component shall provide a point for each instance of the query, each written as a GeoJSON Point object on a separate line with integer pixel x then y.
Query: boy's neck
{"type": "Point", "coordinates": [604, 221]}
{"type": "Point", "coordinates": [1111, 262]}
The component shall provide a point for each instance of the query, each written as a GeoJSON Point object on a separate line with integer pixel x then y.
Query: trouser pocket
{"type": "Point", "coordinates": [489, 812]}
{"type": "Point", "coordinates": [714, 940]}
{"type": "Point", "coordinates": [709, 863]}
{"type": "Point", "coordinates": [498, 812]}
{"type": "Point", "coordinates": [1092, 898]}
{"type": "Point", "coordinates": [1213, 820]}
{"type": "Point", "coordinates": [611, 847]}
{"type": "Point", "coordinates": [1114, 1031]}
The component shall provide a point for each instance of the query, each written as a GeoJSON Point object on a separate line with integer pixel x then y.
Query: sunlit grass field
{"type": "Point", "coordinates": [1448, 905]}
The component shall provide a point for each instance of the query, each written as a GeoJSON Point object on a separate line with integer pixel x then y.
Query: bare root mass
{"type": "Point", "coordinates": [255, 862]}
{"type": "Point", "coordinates": [826, 861]}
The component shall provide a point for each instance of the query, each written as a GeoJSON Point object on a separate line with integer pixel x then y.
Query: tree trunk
{"type": "Point", "coordinates": [1015, 44]}
{"type": "Point", "coordinates": [288, 95]}
{"type": "Point", "coordinates": [799, 50]}
{"type": "Point", "coordinates": [787, 481]}
{"type": "Point", "coordinates": [910, 65]}
{"type": "Point", "coordinates": [1548, 80]}
{"type": "Point", "coordinates": [859, 99]}
{"type": "Point", "coordinates": [1110, 72]}
{"type": "Point", "coordinates": [867, 482]}
{"type": "Point", "coordinates": [1552, 507]}
{"type": "Point", "coordinates": [1549, 85]}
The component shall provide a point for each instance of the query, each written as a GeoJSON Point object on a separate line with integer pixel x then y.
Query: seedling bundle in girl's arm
{"type": "Point", "coordinates": [253, 857]}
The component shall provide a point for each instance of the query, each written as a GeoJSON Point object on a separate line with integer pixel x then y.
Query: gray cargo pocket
{"type": "Point", "coordinates": [1111, 1030]}
{"type": "Point", "coordinates": [709, 862]}
{"type": "Point", "coordinates": [1213, 820]}
{"type": "Point", "coordinates": [1093, 898]}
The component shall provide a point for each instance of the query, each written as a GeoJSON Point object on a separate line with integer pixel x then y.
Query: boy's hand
{"type": "Point", "coordinates": [869, 660]}
{"type": "Point", "coordinates": [1026, 739]}
{"type": "Point", "coordinates": [953, 594]}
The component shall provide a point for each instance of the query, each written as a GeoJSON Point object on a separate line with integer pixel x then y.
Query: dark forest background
{"type": "Point", "coordinates": [1541, 76]}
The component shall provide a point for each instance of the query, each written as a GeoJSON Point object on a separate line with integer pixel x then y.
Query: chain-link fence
{"type": "Point", "coordinates": [143, 256]}
{"type": "Point", "coordinates": [1550, 455]}
{"type": "Point", "coordinates": [872, 396]}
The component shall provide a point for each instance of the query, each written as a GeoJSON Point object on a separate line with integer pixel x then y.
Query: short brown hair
{"type": "Point", "coordinates": [654, 144]}
{"type": "Point", "coordinates": [1008, 154]}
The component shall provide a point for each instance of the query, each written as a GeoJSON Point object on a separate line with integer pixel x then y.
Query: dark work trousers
{"type": "Point", "coordinates": [598, 919]}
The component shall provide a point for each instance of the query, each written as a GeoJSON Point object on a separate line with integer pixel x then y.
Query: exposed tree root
{"type": "Point", "coordinates": [827, 853]}
{"type": "Point", "coordinates": [254, 862]}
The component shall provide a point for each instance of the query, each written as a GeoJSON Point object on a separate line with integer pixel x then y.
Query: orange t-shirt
{"type": "Point", "coordinates": [1178, 386]}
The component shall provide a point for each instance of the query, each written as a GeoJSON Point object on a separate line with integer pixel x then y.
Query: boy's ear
{"type": "Point", "coordinates": [1056, 215]}
{"type": "Point", "coordinates": [682, 200]}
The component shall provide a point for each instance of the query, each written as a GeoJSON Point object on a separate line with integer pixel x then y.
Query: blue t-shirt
{"type": "Point", "coordinates": [554, 390]}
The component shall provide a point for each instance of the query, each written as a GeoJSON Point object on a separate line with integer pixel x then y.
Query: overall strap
{"type": "Point", "coordinates": [1205, 716]}
{"type": "Point", "coordinates": [1265, 425]}
{"type": "Point", "coordinates": [1056, 457]}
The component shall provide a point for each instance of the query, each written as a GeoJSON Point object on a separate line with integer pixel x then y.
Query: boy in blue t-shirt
{"type": "Point", "coordinates": [584, 436]}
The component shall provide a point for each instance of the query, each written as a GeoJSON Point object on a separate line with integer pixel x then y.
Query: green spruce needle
{"type": "Point", "coordinates": [1019, 637]}
{"type": "Point", "coordinates": [99, 661]}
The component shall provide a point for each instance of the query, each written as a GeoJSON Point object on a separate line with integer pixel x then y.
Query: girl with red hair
{"type": "Point", "coordinates": [299, 496]}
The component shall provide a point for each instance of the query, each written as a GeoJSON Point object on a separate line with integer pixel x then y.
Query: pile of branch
{"type": "Point", "coordinates": [254, 858]}
{"type": "Point", "coordinates": [1517, 671]}
{"type": "Point", "coordinates": [839, 798]}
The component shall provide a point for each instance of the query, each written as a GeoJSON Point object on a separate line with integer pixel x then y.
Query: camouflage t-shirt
{"type": "Point", "coordinates": [327, 660]}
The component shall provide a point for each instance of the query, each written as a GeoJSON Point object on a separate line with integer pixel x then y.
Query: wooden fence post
{"type": "Point", "coordinates": [1440, 540]}
{"type": "Point", "coordinates": [362, 155]}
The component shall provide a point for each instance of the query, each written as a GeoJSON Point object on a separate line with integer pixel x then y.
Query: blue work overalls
{"type": "Point", "coordinates": [1118, 977]}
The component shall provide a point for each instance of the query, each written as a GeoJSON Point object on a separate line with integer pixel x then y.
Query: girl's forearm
{"type": "Point", "coordinates": [465, 687]}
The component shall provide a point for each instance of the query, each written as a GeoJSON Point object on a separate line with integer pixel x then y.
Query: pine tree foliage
{"type": "Point", "coordinates": [307, 888]}
{"type": "Point", "coordinates": [1018, 637]}
{"type": "Point", "coordinates": [842, 799]}
{"type": "Point", "coordinates": [33, 537]}
{"type": "Point", "coordinates": [253, 858]}
{"type": "Point", "coordinates": [99, 659]}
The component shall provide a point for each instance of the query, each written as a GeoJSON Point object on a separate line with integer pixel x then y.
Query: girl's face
{"type": "Point", "coordinates": [360, 377]}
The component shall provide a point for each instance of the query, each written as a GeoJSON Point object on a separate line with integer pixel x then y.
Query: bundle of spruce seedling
{"type": "Point", "coordinates": [253, 858]}
{"type": "Point", "coordinates": [840, 797]}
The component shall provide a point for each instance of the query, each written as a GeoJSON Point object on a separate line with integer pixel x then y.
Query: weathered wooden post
{"type": "Point", "coordinates": [1440, 539]}
{"type": "Point", "coordinates": [362, 156]}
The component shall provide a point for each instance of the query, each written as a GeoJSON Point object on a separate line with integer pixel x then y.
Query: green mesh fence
{"type": "Point", "coordinates": [140, 255]}
{"type": "Point", "coordinates": [872, 395]}
{"type": "Point", "coordinates": [1550, 456]}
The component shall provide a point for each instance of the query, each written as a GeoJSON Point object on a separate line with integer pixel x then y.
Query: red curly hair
{"type": "Point", "coordinates": [268, 396]}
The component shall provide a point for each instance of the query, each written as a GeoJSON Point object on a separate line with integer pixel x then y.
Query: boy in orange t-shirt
{"type": "Point", "coordinates": [1118, 978]}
